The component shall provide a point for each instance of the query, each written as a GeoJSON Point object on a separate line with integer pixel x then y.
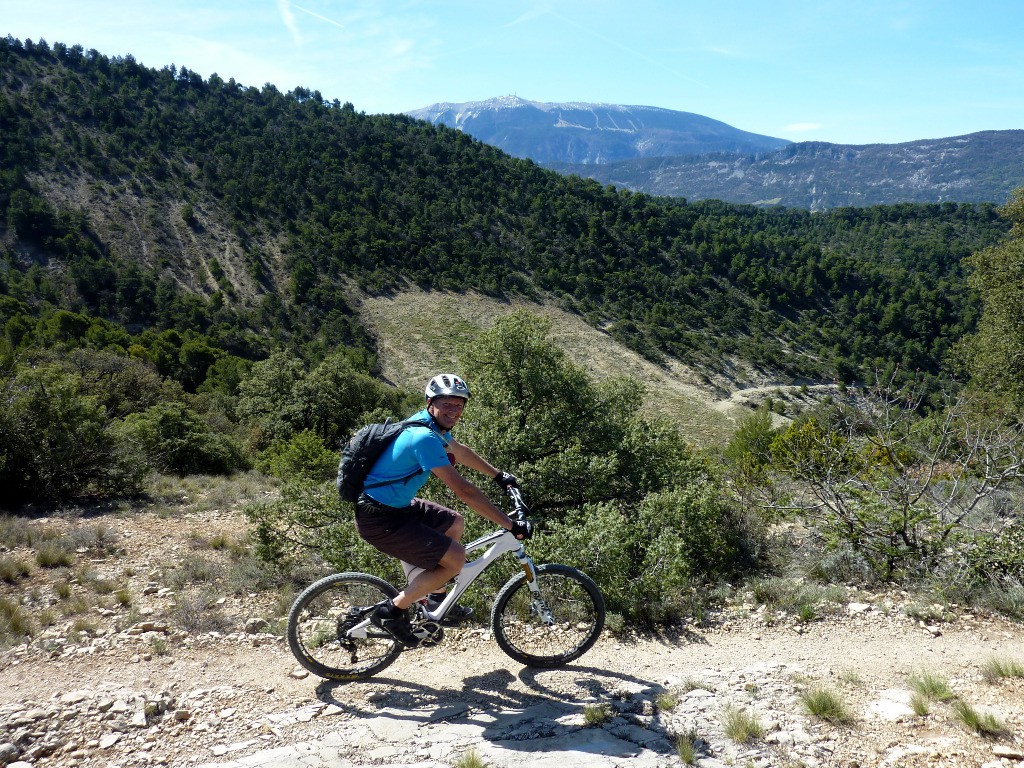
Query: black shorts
{"type": "Point", "coordinates": [415, 534]}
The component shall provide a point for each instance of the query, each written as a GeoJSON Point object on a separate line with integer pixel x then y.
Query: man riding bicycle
{"type": "Point", "coordinates": [424, 535]}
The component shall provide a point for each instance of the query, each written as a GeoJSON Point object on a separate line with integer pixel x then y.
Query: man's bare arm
{"type": "Point", "coordinates": [467, 457]}
{"type": "Point", "coordinates": [472, 496]}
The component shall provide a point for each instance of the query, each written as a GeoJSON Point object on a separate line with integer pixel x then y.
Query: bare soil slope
{"type": "Point", "coordinates": [419, 333]}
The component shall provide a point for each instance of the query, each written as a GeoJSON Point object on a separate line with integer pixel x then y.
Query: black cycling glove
{"type": "Point", "coordinates": [506, 480]}
{"type": "Point", "coordinates": [522, 529]}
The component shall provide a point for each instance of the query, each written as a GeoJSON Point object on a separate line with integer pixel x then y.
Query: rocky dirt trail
{"type": "Point", "coordinates": [147, 692]}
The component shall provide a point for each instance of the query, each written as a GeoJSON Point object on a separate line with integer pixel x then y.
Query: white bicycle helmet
{"type": "Point", "coordinates": [446, 384]}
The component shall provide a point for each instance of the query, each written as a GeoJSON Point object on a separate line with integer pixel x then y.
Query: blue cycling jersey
{"type": "Point", "coordinates": [416, 448]}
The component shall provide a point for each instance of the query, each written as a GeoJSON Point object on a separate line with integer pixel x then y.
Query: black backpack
{"type": "Point", "coordinates": [361, 453]}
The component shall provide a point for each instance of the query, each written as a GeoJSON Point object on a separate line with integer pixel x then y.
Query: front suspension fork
{"type": "Point", "coordinates": [537, 602]}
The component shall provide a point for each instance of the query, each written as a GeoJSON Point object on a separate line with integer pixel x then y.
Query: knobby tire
{"type": "Point", "coordinates": [575, 603]}
{"type": "Point", "coordinates": [315, 628]}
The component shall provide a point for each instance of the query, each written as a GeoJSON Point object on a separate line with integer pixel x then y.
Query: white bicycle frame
{"type": "Point", "coordinates": [499, 543]}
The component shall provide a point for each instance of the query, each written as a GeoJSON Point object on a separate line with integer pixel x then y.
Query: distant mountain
{"type": "Point", "coordinates": [681, 154]}
{"type": "Point", "coordinates": [977, 167]}
{"type": "Point", "coordinates": [592, 134]}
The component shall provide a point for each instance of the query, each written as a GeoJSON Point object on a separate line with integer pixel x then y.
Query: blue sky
{"type": "Point", "coordinates": [851, 72]}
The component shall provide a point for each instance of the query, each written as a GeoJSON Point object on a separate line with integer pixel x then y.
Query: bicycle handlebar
{"type": "Point", "coordinates": [520, 510]}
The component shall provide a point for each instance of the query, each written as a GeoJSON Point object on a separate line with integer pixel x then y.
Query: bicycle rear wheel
{"type": "Point", "coordinates": [554, 626]}
{"type": "Point", "coordinates": [319, 621]}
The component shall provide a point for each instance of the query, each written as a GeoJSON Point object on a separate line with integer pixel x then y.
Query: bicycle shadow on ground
{"type": "Point", "coordinates": [536, 710]}
{"type": "Point", "coordinates": [498, 689]}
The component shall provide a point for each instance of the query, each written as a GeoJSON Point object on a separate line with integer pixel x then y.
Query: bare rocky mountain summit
{"type": "Point", "coordinates": [589, 134]}
{"type": "Point", "coordinates": [672, 153]}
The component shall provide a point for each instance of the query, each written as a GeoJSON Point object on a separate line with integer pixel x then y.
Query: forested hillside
{"type": "Point", "coordinates": [204, 221]}
{"type": "Point", "coordinates": [182, 262]}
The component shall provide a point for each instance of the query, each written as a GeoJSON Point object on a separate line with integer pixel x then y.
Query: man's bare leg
{"type": "Point", "coordinates": [426, 582]}
{"type": "Point", "coordinates": [412, 572]}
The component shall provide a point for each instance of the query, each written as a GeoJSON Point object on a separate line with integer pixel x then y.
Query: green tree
{"type": "Point", "coordinates": [173, 438]}
{"type": "Point", "coordinates": [56, 440]}
{"type": "Point", "coordinates": [537, 413]}
{"type": "Point", "coordinates": [335, 398]}
{"type": "Point", "coordinates": [902, 491]}
{"type": "Point", "coordinates": [994, 355]}
{"type": "Point", "coordinates": [749, 448]}
{"type": "Point", "coordinates": [266, 400]}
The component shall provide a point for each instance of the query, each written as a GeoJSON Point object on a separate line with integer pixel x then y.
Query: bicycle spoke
{"type": "Point", "coordinates": [551, 628]}
{"type": "Point", "coordinates": [319, 624]}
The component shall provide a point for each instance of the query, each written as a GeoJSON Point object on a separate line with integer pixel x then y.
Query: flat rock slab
{"type": "Point", "coordinates": [538, 736]}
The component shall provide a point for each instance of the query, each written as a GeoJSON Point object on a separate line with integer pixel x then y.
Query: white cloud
{"type": "Point", "coordinates": [289, 20]}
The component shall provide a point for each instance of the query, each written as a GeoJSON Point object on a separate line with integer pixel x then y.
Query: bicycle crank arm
{"type": "Point", "coordinates": [360, 629]}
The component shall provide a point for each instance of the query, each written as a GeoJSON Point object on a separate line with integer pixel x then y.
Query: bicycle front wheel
{"type": "Point", "coordinates": [319, 621]}
{"type": "Point", "coordinates": [552, 626]}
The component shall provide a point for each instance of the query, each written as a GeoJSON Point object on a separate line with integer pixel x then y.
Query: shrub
{"type": "Point", "coordinates": [996, 556]}
{"type": "Point", "coordinates": [650, 560]}
{"type": "Point", "coordinates": [248, 574]}
{"type": "Point", "coordinates": [309, 523]}
{"type": "Point", "coordinates": [195, 570]}
{"type": "Point", "coordinates": [15, 623]}
{"type": "Point", "coordinates": [15, 532]}
{"type": "Point", "coordinates": [749, 448]}
{"type": "Point", "coordinates": [173, 438]}
{"type": "Point", "coordinates": [56, 440]}
{"type": "Point", "coordinates": [12, 569]}
{"type": "Point", "coordinates": [840, 565]}
{"type": "Point", "coordinates": [54, 553]}
{"type": "Point", "coordinates": [795, 595]}
{"type": "Point", "coordinates": [870, 474]}
{"type": "Point", "coordinates": [198, 612]}
{"type": "Point", "coordinates": [302, 457]}
{"type": "Point", "coordinates": [596, 714]}
{"type": "Point", "coordinates": [99, 540]}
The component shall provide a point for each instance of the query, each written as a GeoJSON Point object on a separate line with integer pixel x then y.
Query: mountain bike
{"type": "Point", "coordinates": [545, 616]}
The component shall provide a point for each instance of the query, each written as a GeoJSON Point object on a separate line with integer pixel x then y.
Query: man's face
{"type": "Point", "coordinates": [446, 410]}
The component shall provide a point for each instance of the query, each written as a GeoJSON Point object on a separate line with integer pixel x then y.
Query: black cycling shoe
{"type": "Point", "coordinates": [456, 615]}
{"type": "Point", "coordinates": [394, 621]}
